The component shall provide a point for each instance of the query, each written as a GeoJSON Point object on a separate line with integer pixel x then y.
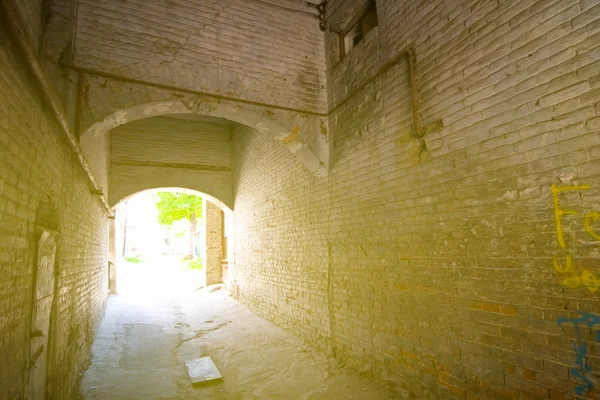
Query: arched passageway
{"type": "Point", "coordinates": [304, 136]}
{"type": "Point", "coordinates": [451, 247]}
{"type": "Point", "coordinates": [150, 329]}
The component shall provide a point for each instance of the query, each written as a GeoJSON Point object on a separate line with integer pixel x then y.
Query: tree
{"type": "Point", "coordinates": [177, 206]}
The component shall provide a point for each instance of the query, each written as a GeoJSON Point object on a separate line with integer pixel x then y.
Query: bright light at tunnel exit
{"type": "Point", "coordinates": [160, 245]}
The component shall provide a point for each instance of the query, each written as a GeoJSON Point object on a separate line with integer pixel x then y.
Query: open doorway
{"type": "Point", "coordinates": [169, 241]}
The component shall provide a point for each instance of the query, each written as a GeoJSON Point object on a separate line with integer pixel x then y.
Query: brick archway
{"type": "Point", "coordinates": [289, 133]}
{"type": "Point", "coordinates": [157, 188]}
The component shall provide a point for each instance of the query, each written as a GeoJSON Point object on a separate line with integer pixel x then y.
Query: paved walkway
{"type": "Point", "coordinates": [143, 342]}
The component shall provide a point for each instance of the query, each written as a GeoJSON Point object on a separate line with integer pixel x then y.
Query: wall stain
{"type": "Point", "coordinates": [323, 129]}
{"type": "Point", "coordinates": [292, 136]}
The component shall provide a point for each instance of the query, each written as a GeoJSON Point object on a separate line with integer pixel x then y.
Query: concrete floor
{"type": "Point", "coordinates": [144, 340]}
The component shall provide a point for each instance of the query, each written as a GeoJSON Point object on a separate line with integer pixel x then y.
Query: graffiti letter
{"type": "Point", "coordinates": [558, 267]}
{"type": "Point", "coordinates": [590, 281]}
{"type": "Point", "coordinates": [558, 213]}
{"type": "Point", "coordinates": [572, 281]}
{"type": "Point", "coordinates": [589, 217]}
{"type": "Point", "coordinates": [586, 279]}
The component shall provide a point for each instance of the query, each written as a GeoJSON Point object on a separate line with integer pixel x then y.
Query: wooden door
{"type": "Point", "coordinates": [42, 306]}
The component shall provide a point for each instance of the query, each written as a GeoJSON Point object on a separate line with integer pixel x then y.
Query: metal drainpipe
{"type": "Point", "coordinates": [13, 22]}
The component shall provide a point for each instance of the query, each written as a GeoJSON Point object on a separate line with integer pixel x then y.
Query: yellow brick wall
{"type": "Point", "coordinates": [437, 272]}
{"type": "Point", "coordinates": [36, 165]}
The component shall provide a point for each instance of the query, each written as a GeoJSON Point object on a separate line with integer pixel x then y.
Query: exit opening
{"type": "Point", "coordinates": [169, 241]}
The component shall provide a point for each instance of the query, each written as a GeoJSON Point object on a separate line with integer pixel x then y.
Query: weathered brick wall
{"type": "Point", "coordinates": [436, 263]}
{"type": "Point", "coordinates": [172, 152]}
{"type": "Point", "coordinates": [96, 150]}
{"type": "Point", "coordinates": [31, 12]}
{"type": "Point", "coordinates": [236, 48]}
{"type": "Point", "coordinates": [36, 165]}
{"type": "Point", "coordinates": [214, 244]}
{"type": "Point", "coordinates": [281, 237]}
{"type": "Point", "coordinates": [56, 41]}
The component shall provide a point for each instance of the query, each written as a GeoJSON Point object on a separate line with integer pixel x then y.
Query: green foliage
{"type": "Point", "coordinates": [176, 206]}
{"type": "Point", "coordinates": [133, 260]}
{"type": "Point", "coordinates": [193, 264]}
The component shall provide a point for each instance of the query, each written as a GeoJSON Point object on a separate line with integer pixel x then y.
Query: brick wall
{"type": "Point", "coordinates": [281, 237]}
{"type": "Point", "coordinates": [96, 149]}
{"type": "Point", "coordinates": [435, 263]}
{"type": "Point", "coordinates": [172, 152]}
{"type": "Point", "coordinates": [234, 48]}
{"type": "Point", "coordinates": [36, 165]}
{"type": "Point", "coordinates": [31, 12]}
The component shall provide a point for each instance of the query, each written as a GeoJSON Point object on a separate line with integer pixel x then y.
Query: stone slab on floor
{"type": "Point", "coordinates": [202, 370]}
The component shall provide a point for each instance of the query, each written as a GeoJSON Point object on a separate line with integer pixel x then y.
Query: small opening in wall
{"type": "Point", "coordinates": [359, 29]}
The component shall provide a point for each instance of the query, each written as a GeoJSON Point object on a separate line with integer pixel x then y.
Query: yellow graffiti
{"type": "Point", "coordinates": [558, 267]}
{"type": "Point", "coordinates": [586, 279]}
{"type": "Point", "coordinates": [558, 212]}
{"type": "Point", "coordinates": [573, 279]}
{"type": "Point", "coordinates": [589, 217]}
